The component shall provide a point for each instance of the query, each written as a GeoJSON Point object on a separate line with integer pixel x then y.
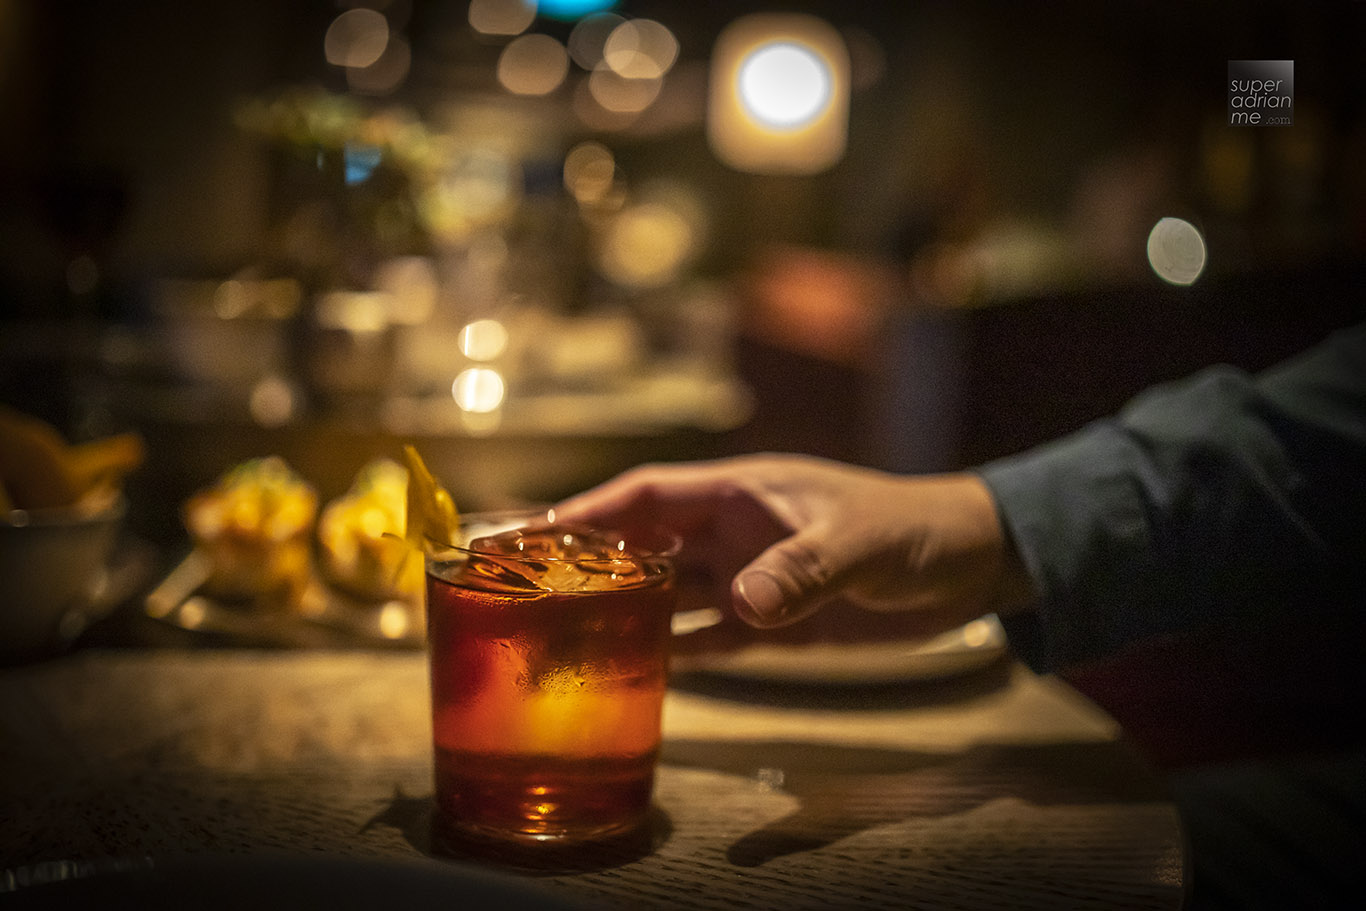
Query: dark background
{"type": "Point", "coordinates": [1076, 125]}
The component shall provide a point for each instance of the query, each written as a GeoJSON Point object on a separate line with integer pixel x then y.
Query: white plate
{"type": "Point", "coordinates": [970, 647]}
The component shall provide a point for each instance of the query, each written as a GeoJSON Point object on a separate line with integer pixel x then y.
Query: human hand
{"type": "Point", "coordinates": [790, 533]}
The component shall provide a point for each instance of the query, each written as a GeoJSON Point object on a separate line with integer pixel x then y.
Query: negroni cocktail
{"type": "Point", "coordinates": [549, 659]}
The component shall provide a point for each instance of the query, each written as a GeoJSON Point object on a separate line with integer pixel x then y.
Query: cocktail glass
{"type": "Point", "coordinates": [548, 650]}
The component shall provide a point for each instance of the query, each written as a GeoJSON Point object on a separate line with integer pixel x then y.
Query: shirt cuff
{"type": "Point", "coordinates": [1076, 515]}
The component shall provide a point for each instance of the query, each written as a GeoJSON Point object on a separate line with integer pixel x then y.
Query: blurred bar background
{"type": "Point", "coordinates": [548, 243]}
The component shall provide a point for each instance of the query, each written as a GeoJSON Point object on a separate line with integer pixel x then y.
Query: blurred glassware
{"type": "Point", "coordinates": [226, 333]}
{"type": "Point", "coordinates": [348, 350]}
{"type": "Point", "coordinates": [54, 575]}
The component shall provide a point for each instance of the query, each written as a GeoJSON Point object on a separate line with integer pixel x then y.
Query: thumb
{"type": "Point", "coordinates": [782, 585]}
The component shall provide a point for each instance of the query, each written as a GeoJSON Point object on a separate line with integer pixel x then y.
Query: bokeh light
{"type": "Point", "coordinates": [778, 101]}
{"type": "Point", "coordinates": [356, 312]}
{"type": "Point", "coordinates": [620, 95]}
{"type": "Point", "coordinates": [483, 340]}
{"type": "Point", "coordinates": [784, 84]}
{"type": "Point", "coordinates": [572, 9]}
{"type": "Point", "coordinates": [640, 49]}
{"type": "Point", "coordinates": [533, 65]}
{"type": "Point", "coordinates": [590, 172]}
{"type": "Point", "coordinates": [592, 115]}
{"type": "Point", "coordinates": [1176, 251]}
{"type": "Point", "coordinates": [393, 620]}
{"type": "Point", "coordinates": [588, 37]}
{"type": "Point", "coordinates": [356, 38]}
{"type": "Point", "coordinates": [648, 243]}
{"type": "Point", "coordinates": [272, 402]}
{"type": "Point", "coordinates": [501, 17]}
{"type": "Point", "coordinates": [478, 390]}
{"type": "Point", "coordinates": [386, 74]}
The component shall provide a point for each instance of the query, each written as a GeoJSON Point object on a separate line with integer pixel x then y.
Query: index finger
{"type": "Point", "coordinates": [683, 496]}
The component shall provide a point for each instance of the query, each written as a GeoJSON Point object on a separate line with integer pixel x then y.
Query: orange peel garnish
{"type": "Point", "coordinates": [432, 517]}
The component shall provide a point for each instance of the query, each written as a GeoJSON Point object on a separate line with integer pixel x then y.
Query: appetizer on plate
{"type": "Point", "coordinates": [361, 546]}
{"type": "Point", "coordinates": [255, 527]}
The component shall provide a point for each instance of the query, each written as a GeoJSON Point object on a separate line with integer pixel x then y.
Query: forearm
{"type": "Point", "coordinates": [1196, 503]}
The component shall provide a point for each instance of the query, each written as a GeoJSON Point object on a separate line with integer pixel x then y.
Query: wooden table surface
{"type": "Point", "coordinates": [1000, 789]}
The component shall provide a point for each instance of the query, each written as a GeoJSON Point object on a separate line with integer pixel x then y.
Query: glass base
{"type": "Point", "coordinates": [576, 852]}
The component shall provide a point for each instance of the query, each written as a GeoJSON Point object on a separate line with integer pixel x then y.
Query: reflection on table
{"type": "Point", "coordinates": [993, 789]}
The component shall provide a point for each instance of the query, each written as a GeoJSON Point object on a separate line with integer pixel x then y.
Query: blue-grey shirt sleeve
{"type": "Point", "coordinates": [1211, 500]}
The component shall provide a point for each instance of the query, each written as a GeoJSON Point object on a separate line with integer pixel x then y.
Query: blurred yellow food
{"type": "Point", "coordinates": [40, 470]}
{"type": "Point", "coordinates": [432, 516]}
{"type": "Point", "coordinates": [361, 536]}
{"type": "Point", "coordinates": [255, 526]}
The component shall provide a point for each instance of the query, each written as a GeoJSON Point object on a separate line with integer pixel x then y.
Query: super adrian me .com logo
{"type": "Point", "coordinates": [1261, 92]}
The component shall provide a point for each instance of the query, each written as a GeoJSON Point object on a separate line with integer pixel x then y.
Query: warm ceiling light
{"type": "Point", "coordinates": [779, 97]}
{"type": "Point", "coordinates": [784, 85]}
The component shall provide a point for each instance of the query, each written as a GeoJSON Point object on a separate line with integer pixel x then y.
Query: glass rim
{"type": "Point", "coordinates": [74, 516]}
{"type": "Point", "coordinates": [661, 542]}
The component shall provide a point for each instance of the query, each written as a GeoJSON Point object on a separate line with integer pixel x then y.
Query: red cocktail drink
{"type": "Point", "coordinates": [549, 659]}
